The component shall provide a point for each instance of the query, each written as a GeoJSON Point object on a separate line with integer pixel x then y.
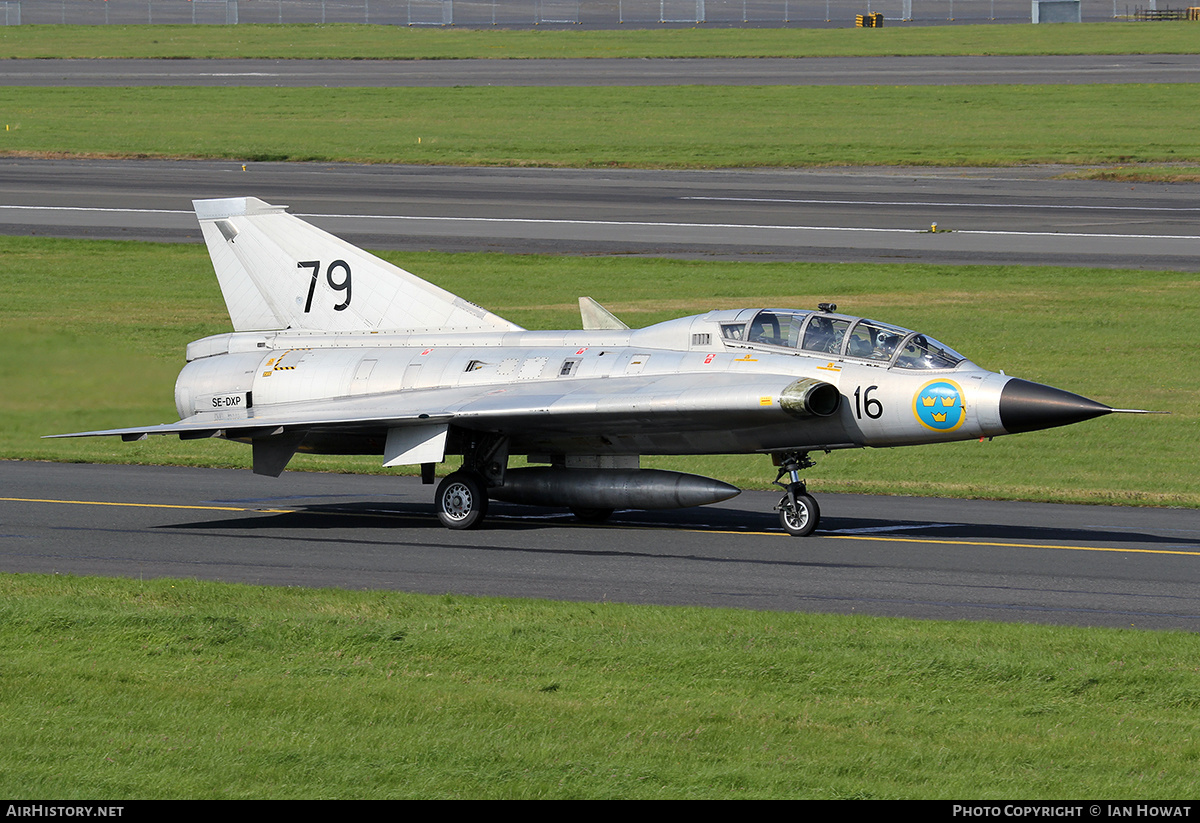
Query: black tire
{"type": "Point", "coordinates": [591, 515]}
{"type": "Point", "coordinates": [802, 520]}
{"type": "Point", "coordinates": [461, 501]}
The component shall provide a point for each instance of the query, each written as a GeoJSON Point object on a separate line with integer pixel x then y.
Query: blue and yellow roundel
{"type": "Point", "coordinates": [940, 405]}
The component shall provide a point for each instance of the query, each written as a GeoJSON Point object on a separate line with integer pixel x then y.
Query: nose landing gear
{"type": "Point", "coordinates": [799, 513]}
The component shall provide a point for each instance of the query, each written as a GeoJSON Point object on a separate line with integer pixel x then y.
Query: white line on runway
{"type": "Point", "coordinates": [635, 223]}
{"type": "Point", "coordinates": [897, 528]}
{"type": "Point", "coordinates": [817, 202]}
{"type": "Point", "coordinates": [672, 225]}
{"type": "Point", "coordinates": [88, 208]}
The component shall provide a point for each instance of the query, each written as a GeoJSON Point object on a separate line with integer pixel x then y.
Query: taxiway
{"type": "Point", "coordinates": [890, 556]}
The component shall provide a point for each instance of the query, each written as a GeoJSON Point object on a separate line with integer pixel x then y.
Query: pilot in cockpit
{"type": "Point", "coordinates": [765, 331]}
{"type": "Point", "coordinates": [820, 336]}
{"type": "Point", "coordinates": [885, 345]}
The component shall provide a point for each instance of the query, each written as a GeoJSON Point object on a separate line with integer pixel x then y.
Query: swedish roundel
{"type": "Point", "coordinates": [939, 405]}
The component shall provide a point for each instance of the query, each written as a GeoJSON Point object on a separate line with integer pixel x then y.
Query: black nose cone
{"type": "Point", "coordinates": [1026, 407]}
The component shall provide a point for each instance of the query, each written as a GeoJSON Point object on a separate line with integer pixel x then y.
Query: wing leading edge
{"type": "Point", "coordinates": [578, 406]}
{"type": "Point", "coordinates": [415, 422]}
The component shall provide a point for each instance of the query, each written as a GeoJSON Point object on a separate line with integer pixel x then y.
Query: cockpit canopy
{"type": "Point", "coordinates": [836, 334]}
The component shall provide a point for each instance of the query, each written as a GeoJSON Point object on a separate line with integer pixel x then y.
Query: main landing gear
{"type": "Point", "coordinates": [799, 513]}
{"type": "Point", "coordinates": [462, 500]}
{"type": "Point", "coordinates": [462, 497]}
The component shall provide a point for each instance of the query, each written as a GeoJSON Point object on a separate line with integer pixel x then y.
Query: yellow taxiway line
{"type": "Point", "coordinates": [926, 540]}
{"type": "Point", "coordinates": [141, 505]}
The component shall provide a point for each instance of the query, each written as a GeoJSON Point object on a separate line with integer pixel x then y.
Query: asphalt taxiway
{"type": "Point", "coordinates": [891, 556]}
{"type": "Point", "coordinates": [999, 216]}
{"type": "Point", "coordinates": [766, 71]}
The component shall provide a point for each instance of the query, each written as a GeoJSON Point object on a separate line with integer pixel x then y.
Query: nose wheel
{"type": "Point", "coordinates": [799, 513]}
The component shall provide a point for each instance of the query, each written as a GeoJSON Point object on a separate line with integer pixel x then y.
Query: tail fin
{"type": "Point", "coordinates": [278, 272]}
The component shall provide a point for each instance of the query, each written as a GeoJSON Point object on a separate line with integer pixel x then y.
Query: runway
{"type": "Point", "coordinates": [1018, 216]}
{"type": "Point", "coordinates": [768, 71]}
{"type": "Point", "coordinates": [890, 556]}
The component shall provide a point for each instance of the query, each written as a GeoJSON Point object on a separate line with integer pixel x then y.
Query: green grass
{"type": "Point", "coordinates": [391, 42]}
{"type": "Point", "coordinates": [690, 126]}
{"type": "Point", "coordinates": [93, 335]}
{"type": "Point", "coordinates": [182, 689]}
{"type": "Point", "coordinates": [1178, 173]}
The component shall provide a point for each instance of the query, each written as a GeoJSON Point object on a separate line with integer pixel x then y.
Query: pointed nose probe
{"type": "Point", "coordinates": [1026, 406]}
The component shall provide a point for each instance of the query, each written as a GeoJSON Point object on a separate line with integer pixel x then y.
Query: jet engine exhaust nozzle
{"type": "Point", "coordinates": [807, 397]}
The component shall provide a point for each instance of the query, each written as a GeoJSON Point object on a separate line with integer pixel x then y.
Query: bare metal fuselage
{"type": "Point", "coordinates": [645, 391]}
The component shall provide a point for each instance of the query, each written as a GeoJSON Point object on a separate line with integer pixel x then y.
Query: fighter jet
{"type": "Point", "coordinates": [335, 351]}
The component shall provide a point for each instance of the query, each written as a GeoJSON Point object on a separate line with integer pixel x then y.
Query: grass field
{"type": "Point", "coordinates": [693, 127]}
{"type": "Point", "coordinates": [182, 689]}
{"type": "Point", "coordinates": [105, 350]}
{"type": "Point", "coordinates": [355, 42]}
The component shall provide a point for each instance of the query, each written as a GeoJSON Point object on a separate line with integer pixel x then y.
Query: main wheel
{"type": "Point", "coordinates": [591, 515]}
{"type": "Point", "coordinates": [461, 501]}
{"type": "Point", "coordinates": [799, 520]}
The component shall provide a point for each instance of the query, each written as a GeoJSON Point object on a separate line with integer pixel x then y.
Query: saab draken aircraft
{"type": "Point", "coordinates": [335, 351]}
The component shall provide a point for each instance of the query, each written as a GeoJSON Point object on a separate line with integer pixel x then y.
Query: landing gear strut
{"type": "Point", "coordinates": [462, 497]}
{"type": "Point", "coordinates": [799, 513]}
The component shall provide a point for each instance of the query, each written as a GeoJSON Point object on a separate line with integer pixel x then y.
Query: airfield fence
{"type": "Point", "coordinates": [525, 13]}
